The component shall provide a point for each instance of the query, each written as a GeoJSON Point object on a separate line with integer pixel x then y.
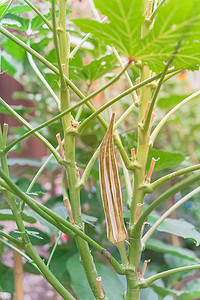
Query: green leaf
{"type": "Point", "coordinates": [123, 30]}
{"type": "Point", "coordinates": [19, 9]}
{"type": "Point", "coordinates": [51, 229]}
{"type": "Point", "coordinates": [6, 215]}
{"type": "Point", "coordinates": [162, 247]}
{"type": "Point", "coordinates": [169, 102]}
{"type": "Point", "coordinates": [176, 20]}
{"type": "Point", "coordinates": [191, 290]}
{"type": "Point", "coordinates": [178, 227]}
{"type": "Point", "coordinates": [79, 282]}
{"type": "Point", "coordinates": [6, 279]}
{"type": "Point", "coordinates": [13, 49]}
{"type": "Point", "coordinates": [110, 281]}
{"type": "Point", "coordinates": [36, 236]}
{"type": "Point", "coordinates": [57, 267]}
{"type": "Point", "coordinates": [89, 219]}
{"type": "Point", "coordinates": [14, 21]}
{"type": "Point", "coordinates": [167, 159]}
{"type": "Point", "coordinates": [163, 291]}
{"type": "Point", "coordinates": [96, 69]}
{"type": "Point", "coordinates": [8, 67]}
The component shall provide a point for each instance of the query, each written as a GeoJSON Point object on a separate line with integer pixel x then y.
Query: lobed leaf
{"type": "Point", "coordinates": [176, 20]}
{"type": "Point", "coordinates": [123, 30]}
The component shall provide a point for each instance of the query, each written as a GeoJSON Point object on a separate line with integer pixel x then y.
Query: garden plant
{"type": "Point", "coordinates": [131, 52]}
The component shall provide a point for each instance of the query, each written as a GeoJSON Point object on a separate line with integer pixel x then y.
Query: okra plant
{"type": "Point", "coordinates": [132, 50]}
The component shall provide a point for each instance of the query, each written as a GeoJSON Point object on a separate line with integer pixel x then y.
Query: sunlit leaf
{"type": "Point", "coordinates": [125, 21]}
{"type": "Point", "coordinates": [94, 70]}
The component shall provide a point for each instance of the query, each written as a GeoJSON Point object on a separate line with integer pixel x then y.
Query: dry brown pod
{"type": "Point", "coordinates": [111, 188]}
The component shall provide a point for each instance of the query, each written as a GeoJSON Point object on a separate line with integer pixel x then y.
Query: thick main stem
{"type": "Point", "coordinates": [69, 143]}
{"type": "Point", "coordinates": [133, 290]}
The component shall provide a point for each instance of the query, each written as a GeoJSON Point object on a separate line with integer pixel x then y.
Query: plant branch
{"type": "Point", "coordinates": [43, 212]}
{"type": "Point", "coordinates": [156, 184]}
{"type": "Point", "coordinates": [153, 101]}
{"type": "Point", "coordinates": [169, 114]}
{"type": "Point", "coordinates": [11, 239]}
{"type": "Point", "coordinates": [19, 221]}
{"type": "Point", "coordinates": [35, 205]}
{"type": "Point", "coordinates": [54, 249]}
{"type": "Point", "coordinates": [21, 253]}
{"type": "Point", "coordinates": [6, 9]}
{"type": "Point", "coordinates": [43, 80]}
{"type": "Point", "coordinates": [90, 164]}
{"type": "Point", "coordinates": [149, 233]}
{"type": "Point", "coordinates": [153, 278]}
{"type": "Point", "coordinates": [27, 125]}
{"type": "Point", "coordinates": [40, 58]}
{"type": "Point", "coordinates": [83, 101]}
{"type": "Point", "coordinates": [39, 14]}
{"type": "Point", "coordinates": [57, 48]}
{"type": "Point", "coordinates": [171, 191]}
{"type": "Point", "coordinates": [156, 10]}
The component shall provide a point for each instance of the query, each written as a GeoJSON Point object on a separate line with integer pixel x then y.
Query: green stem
{"type": "Point", "coordinates": [36, 206]}
{"type": "Point", "coordinates": [54, 249]}
{"type": "Point", "coordinates": [124, 115]}
{"type": "Point", "coordinates": [83, 101]}
{"type": "Point", "coordinates": [39, 14]}
{"type": "Point", "coordinates": [156, 184]}
{"type": "Point", "coordinates": [153, 101]}
{"type": "Point", "coordinates": [69, 143]}
{"type": "Point", "coordinates": [27, 125]}
{"type": "Point", "coordinates": [96, 14]}
{"type": "Point", "coordinates": [169, 114]}
{"type": "Point", "coordinates": [153, 278]}
{"type": "Point", "coordinates": [156, 10]}
{"type": "Point", "coordinates": [47, 273]}
{"type": "Point", "coordinates": [6, 9]}
{"type": "Point", "coordinates": [42, 211]}
{"type": "Point", "coordinates": [122, 249]}
{"type": "Point", "coordinates": [11, 239]}
{"type": "Point", "coordinates": [134, 255]}
{"type": "Point", "coordinates": [149, 233]}
{"type": "Point", "coordinates": [21, 253]}
{"type": "Point", "coordinates": [43, 80]}
{"type": "Point", "coordinates": [57, 44]}
{"type": "Point", "coordinates": [89, 166]}
{"type": "Point", "coordinates": [134, 94]}
{"type": "Point", "coordinates": [25, 239]}
{"type": "Point", "coordinates": [40, 58]}
{"type": "Point", "coordinates": [173, 190]}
